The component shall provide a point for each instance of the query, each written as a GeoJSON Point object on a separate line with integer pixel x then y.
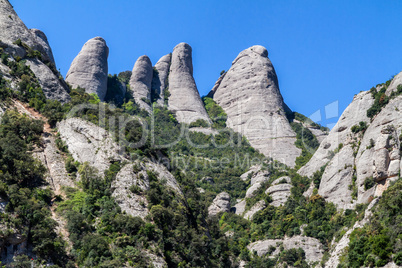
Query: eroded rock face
{"type": "Point", "coordinates": [52, 86]}
{"type": "Point", "coordinates": [249, 94]}
{"type": "Point", "coordinates": [221, 203]}
{"type": "Point", "coordinates": [41, 39]}
{"type": "Point", "coordinates": [311, 246]}
{"type": "Point", "coordinates": [89, 143]}
{"type": "Point", "coordinates": [12, 28]}
{"type": "Point", "coordinates": [379, 155]}
{"type": "Point", "coordinates": [337, 177]}
{"type": "Point", "coordinates": [51, 158]}
{"type": "Point", "coordinates": [89, 70]}
{"type": "Point", "coordinates": [279, 191]}
{"type": "Point", "coordinates": [140, 82]}
{"type": "Point", "coordinates": [341, 133]}
{"type": "Point", "coordinates": [260, 205]}
{"type": "Point", "coordinates": [394, 84]}
{"type": "Point", "coordinates": [160, 78]}
{"type": "Point", "coordinates": [184, 98]}
{"type": "Point", "coordinates": [257, 180]}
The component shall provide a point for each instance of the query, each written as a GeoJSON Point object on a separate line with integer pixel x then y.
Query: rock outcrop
{"type": "Point", "coordinates": [89, 143]}
{"type": "Point", "coordinates": [89, 70]}
{"type": "Point", "coordinates": [311, 246]}
{"type": "Point", "coordinates": [41, 39]}
{"type": "Point", "coordinates": [379, 155]}
{"type": "Point", "coordinates": [355, 113]}
{"type": "Point", "coordinates": [396, 81]}
{"type": "Point", "coordinates": [279, 191]}
{"type": "Point", "coordinates": [257, 180]}
{"type": "Point", "coordinates": [140, 82]}
{"type": "Point", "coordinates": [337, 177]}
{"type": "Point", "coordinates": [184, 97]}
{"type": "Point", "coordinates": [221, 203]}
{"type": "Point", "coordinates": [12, 29]}
{"type": "Point", "coordinates": [250, 96]}
{"type": "Point", "coordinates": [160, 78]}
{"type": "Point", "coordinates": [53, 87]}
{"type": "Point", "coordinates": [57, 175]}
{"type": "Point", "coordinates": [260, 205]}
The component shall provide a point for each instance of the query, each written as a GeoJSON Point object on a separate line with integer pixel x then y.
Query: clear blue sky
{"type": "Point", "coordinates": [323, 51]}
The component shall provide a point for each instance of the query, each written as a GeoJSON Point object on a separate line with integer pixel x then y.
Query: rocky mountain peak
{"type": "Point", "coordinates": [249, 94]}
{"type": "Point", "coordinates": [184, 97]}
{"type": "Point", "coordinates": [89, 70]}
{"type": "Point", "coordinates": [140, 82]}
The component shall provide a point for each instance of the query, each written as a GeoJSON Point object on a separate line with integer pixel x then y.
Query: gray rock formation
{"type": "Point", "coordinates": [381, 160]}
{"type": "Point", "coordinates": [337, 177]}
{"type": "Point", "coordinates": [184, 98]}
{"type": "Point", "coordinates": [311, 246]}
{"type": "Point", "coordinates": [394, 84]}
{"type": "Point", "coordinates": [160, 78]}
{"type": "Point", "coordinates": [221, 203]}
{"type": "Point", "coordinates": [89, 143]}
{"type": "Point", "coordinates": [89, 70]}
{"type": "Point", "coordinates": [341, 133]}
{"type": "Point", "coordinates": [12, 28]}
{"type": "Point", "coordinates": [249, 94]}
{"type": "Point", "coordinates": [52, 86]}
{"type": "Point", "coordinates": [257, 180]}
{"type": "Point", "coordinates": [57, 175]}
{"type": "Point", "coordinates": [279, 191]}
{"type": "Point", "coordinates": [140, 82]}
{"type": "Point", "coordinates": [240, 207]}
{"type": "Point", "coordinates": [260, 205]}
{"type": "Point", "coordinates": [41, 39]}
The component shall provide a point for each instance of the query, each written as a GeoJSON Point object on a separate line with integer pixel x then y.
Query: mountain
{"type": "Point", "coordinates": [137, 170]}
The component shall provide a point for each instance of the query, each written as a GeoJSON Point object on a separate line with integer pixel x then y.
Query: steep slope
{"type": "Point", "coordinates": [89, 70]}
{"type": "Point", "coordinates": [361, 156]}
{"type": "Point", "coordinates": [140, 82]}
{"type": "Point", "coordinates": [249, 94]}
{"type": "Point", "coordinates": [184, 98]}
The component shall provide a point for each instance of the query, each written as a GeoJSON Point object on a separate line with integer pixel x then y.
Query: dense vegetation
{"type": "Point", "coordinates": [380, 241]}
{"type": "Point", "coordinates": [24, 189]}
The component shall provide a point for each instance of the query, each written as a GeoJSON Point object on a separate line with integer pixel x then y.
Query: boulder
{"type": "Point", "coordinates": [184, 98]}
{"type": "Point", "coordinates": [140, 82]}
{"type": "Point", "coordinates": [89, 70]}
{"type": "Point", "coordinates": [250, 96]}
{"type": "Point", "coordinates": [221, 203]}
{"type": "Point", "coordinates": [160, 78]}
